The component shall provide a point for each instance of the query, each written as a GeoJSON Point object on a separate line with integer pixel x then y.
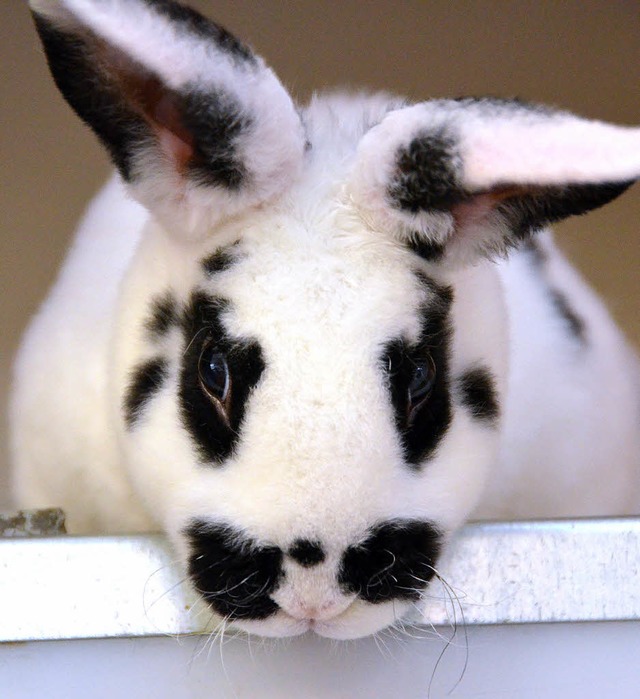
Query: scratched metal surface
{"type": "Point", "coordinates": [495, 573]}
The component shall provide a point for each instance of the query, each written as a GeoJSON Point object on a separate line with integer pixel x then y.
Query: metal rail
{"type": "Point", "coordinates": [496, 573]}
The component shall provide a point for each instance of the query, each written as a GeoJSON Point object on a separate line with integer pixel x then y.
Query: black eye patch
{"type": "Point", "coordinates": [422, 429]}
{"type": "Point", "coordinates": [214, 435]}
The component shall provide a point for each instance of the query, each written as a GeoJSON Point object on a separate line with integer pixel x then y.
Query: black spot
{"type": "Point", "coordinates": [216, 121]}
{"type": "Point", "coordinates": [193, 22]}
{"type": "Point", "coordinates": [306, 553]}
{"type": "Point", "coordinates": [426, 174]}
{"type": "Point", "coordinates": [421, 435]}
{"type": "Point", "coordinates": [574, 323]}
{"type": "Point", "coordinates": [202, 326]}
{"type": "Point", "coordinates": [146, 380]}
{"type": "Point", "coordinates": [395, 561]}
{"type": "Point", "coordinates": [536, 252]}
{"type": "Point", "coordinates": [93, 95]}
{"type": "Point", "coordinates": [163, 316]}
{"type": "Point", "coordinates": [478, 394]}
{"type": "Point", "coordinates": [234, 574]}
{"type": "Point", "coordinates": [218, 261]}
{"type": "Point", "coordinates": [428, 250]}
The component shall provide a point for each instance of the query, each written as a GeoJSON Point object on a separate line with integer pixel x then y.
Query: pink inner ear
{"type": "Point", "coordinates": [147, 95]}
{"type": "Point", "coordinates": [175, 140]}
{"type": "Point", "coordinates": [480, 206]}
{"type": "Point", "coordinates": [473, 211]}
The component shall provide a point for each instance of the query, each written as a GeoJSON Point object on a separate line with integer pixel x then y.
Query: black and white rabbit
{"type": "Point", "coordinates": [316, 340]}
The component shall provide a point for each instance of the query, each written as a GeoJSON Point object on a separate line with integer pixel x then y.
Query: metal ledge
{"type": "Point", "coordinates": [496, 573]}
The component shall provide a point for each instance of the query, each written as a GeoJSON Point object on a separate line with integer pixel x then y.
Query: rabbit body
{"type": "Point", "coordinates": [325, 338]}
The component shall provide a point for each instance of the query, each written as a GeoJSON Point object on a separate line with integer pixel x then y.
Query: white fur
{"type": "Point", "coordinates": [322, 280]}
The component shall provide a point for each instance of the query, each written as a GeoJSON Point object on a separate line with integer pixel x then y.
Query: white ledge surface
{"type": "Point", "coordinates": [497, 573]}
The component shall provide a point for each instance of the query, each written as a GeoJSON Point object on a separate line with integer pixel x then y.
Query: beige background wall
{"type": "Point", "coordinates": [583, 55]}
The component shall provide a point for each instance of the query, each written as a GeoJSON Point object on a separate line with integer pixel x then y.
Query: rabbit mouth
{"type": "Point", "coordinates": [357, 620]}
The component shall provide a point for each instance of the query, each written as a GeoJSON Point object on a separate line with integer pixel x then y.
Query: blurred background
{"type": "Point", "coordinates": [582, 55]}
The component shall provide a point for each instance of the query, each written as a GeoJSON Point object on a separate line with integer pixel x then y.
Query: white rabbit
{"type": "Point", "coordinates": [321, 338]}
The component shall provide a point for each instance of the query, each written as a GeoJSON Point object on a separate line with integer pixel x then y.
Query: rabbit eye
{"type": "Point", "coordinates": [214, 376]}
{"type": "Point", "coordinates": [420, 386]}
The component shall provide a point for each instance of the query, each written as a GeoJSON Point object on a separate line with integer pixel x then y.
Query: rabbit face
{"type": "Point", "coordinates": [305, 437]}
{"type": "Point", "coordinates": [310, 352]}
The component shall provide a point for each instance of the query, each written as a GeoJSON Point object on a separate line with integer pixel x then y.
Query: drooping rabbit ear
{"type": "Point", "coordinates": [461, 178]}
{"type": "Point", "coordinates": [196, 123]}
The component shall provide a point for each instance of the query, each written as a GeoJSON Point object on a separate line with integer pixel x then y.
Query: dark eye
{"type": "Point", "coordinates": [420, 386]}
{"type": "Point", "coordinates": [214, 375]}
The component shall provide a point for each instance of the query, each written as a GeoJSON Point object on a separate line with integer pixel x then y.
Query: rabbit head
{"type": "Point", "coordinates": [310, 355]}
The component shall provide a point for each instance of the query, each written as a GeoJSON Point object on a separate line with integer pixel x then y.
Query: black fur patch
{"type": "Point", "coordinates": [427, 171]}
{"type": "Point", "coordinates": [164, 315]}
{"type": "Point", "coordinates": [421, 436]}
{"type": "Point", "coordinates": [527, 213]}
{"type": "Point", "coordinates": [575, 324]}
{"type": "Point", "coordinates": [216, 121]}
{"type": "Point", "coordinates": [218, 261]}
{"type": "Point", "coordinates": [560, 303]}
{"type": "Point", "coordinates": [193, 22]}
{"type": "Point", "coordinates": [478, 394]}
{"type": "Point", "coordinates": [146, 380]}
{"type": "Point", "coordinates": [395, 561]}
{"type": "Point", "coordinates": [92, 96]}
{"type": "Point", "coordinates": [306, 553]}
{"type": "Point", "coordinates": [202, 327]}
{"type": "Point", "coordinates": [427, 250]}
{"type": "Point", "coordinates": [537, 254]}
{"type": "Point", "coordinates": [426, 174]}
{"type": "Point", "coordinates": [234, 574]}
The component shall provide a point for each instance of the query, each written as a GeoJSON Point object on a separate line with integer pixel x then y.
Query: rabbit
{"type": "Point", "coordinates": [310, 343]}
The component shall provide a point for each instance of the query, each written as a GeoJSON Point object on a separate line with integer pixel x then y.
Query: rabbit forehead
{"type": "Point", "coordinates": [300, 285]}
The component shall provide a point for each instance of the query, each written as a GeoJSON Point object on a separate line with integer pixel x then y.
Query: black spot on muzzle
{"type": "Point", "coordinates": [395, 561]}
{"type": "Point", "coordinates": [233, 573]}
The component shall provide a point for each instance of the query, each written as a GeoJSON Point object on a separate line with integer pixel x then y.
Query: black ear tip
{"type": "Point", "coordinates": [589, 197]}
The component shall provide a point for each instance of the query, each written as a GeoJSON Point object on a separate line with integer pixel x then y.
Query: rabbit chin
{"type": "Point", "coordinates": [358, 620]}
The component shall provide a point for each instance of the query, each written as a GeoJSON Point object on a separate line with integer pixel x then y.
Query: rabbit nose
{"type": "Point", "coordinates": [316, 611]}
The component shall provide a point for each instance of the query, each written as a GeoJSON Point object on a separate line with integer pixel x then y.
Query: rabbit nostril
{"type": "Point", "coordinates": [306, 553]}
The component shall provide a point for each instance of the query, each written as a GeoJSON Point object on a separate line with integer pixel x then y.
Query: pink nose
{"type": "Point", "coordinates": [317, 612]}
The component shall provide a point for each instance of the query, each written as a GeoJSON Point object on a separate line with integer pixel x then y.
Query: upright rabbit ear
{"type": "Point", "coordinates": [196, 123]}
{"type": "Point", "coordinates": [458, 179]}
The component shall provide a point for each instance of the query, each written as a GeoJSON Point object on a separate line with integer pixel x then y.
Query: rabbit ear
{"type": "Point", "coordinates": [462, 178]}
{"type": "Point", "coordinates": [196, 123]}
